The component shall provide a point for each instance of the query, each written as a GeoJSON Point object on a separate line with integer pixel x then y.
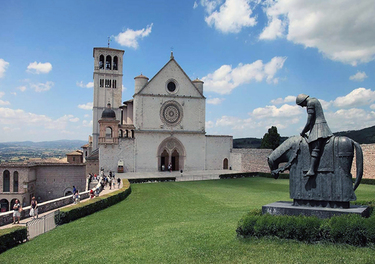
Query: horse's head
{"type": "Point", "coordinates": [286, 152]}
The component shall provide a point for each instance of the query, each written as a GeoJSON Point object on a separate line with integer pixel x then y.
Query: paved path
{"type": "Point", "coordinates": [185, 176]}
{"type": "Point", "coordinates": [25, 220]}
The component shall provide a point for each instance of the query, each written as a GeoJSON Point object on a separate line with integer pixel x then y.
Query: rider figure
{"type": "Point", "coordinates": [318, 127]}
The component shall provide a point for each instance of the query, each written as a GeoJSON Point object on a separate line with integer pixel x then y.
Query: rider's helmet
{"type": "Point", "coordinates": [301, 98]}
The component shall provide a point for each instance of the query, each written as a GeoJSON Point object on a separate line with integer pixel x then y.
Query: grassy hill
{"type": "Point", "coordinates": [182, 222]}
{"type": "Point", "coordinates": [363, 136]}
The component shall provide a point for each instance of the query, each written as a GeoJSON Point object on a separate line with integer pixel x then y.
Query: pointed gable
{"type": "Point", "coordinates": [171, 80]}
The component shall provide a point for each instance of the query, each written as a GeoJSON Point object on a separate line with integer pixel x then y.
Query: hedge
{"type": "Point", "coordinates": [281, 176]}
{"type": "Point", "coordinates": [346, 229]}
{"type": "Point", "coordinates": [252, 174]}
{"type": "Point", "coordinates": [165, 179]}
{"type": "Point", "coordinates": [11, 237]}
{"type": "Point", "coordinates": [96, 204]}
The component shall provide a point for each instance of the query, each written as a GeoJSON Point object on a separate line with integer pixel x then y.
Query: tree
{"type": "Point", "coordinates": [271, 140]}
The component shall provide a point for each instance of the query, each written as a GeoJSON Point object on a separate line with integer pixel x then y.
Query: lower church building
{"type": "Point", "coordinates": [162, 127]}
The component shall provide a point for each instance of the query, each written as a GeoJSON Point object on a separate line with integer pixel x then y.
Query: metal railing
{"type": "Point", "coordinates": [41, 225]}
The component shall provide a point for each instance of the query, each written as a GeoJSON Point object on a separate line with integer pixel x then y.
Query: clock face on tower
{"type": "Point", "coordinates": [171, 113]}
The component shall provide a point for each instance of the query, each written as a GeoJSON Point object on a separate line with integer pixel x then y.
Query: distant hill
{"type": "Point", "coordinates": [363, 136]}
{"type": "Point", "coordinates": [58, 144]}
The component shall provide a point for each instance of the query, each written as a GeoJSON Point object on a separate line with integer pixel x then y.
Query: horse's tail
{"type": "Point", "coordinates": [359, 164]}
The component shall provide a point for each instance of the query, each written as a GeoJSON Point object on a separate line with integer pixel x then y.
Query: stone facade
{"type": "Point", "coordinates": [164, 124]}
{"type": "Point", "coordinates": [45, 181]}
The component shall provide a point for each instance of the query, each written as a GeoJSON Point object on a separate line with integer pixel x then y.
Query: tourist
{"type": "Point", "coordinates": [17, 211]}
{"type": "Point", "coordinates": [170, 167]}
{"type": "Point", "coordinates": [118, 183]}
{"type": "Point", "coordinates": [92, 194]}
{"type": "Point", "coordinates": [34, 208]}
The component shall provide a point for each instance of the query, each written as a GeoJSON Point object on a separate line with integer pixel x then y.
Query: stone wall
{"type": "Point", "coordinates": [251, 160]}
{"type": "Point", "coordinates": [368, 161]}
{"type": "Point", "coordinates": [7, 217]}
{"type": "Point", "coordinates": [55, 179]}
{"type": "Point", "coordinates": [255, 160]}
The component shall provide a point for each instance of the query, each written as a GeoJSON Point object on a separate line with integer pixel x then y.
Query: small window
{"type": "Point", "coordinates": [101, 83]}
{"type": "Point", "coordinates": [74, 158]}
{"type": "Point", "coordinates": [171, 87]}
{"type": "Point", "coordinates": [6, 181]}
{"type": "Point", "coordinates": [114, 84]}
{"type": "Point", "coordinates": [115, 63]}
{"type": "Point", "coordinates": [107, 83]}
{"type": "Point", "coordinates": [15, 181]}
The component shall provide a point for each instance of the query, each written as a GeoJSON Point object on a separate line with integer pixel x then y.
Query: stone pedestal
{"type": "Point", "coordinates": [287, 208]}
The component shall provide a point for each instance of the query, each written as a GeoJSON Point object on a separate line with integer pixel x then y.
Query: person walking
{"type": "Point", "coordinates": [34, 208]}
{"type": "Point", "coordinates": [17, 211]}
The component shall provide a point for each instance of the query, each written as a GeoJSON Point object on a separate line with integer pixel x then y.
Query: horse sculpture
{"type": "Point", "coordinates": [332, 186]}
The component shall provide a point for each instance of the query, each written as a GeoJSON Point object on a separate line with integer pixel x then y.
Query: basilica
{"type": "Point", "coordinates": [162, 127]}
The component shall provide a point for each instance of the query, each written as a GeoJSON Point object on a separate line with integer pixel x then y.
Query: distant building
{"type": "Point", "coordinates": [163, 125]}
{"type": "Point", "coordinates": [45, 181]}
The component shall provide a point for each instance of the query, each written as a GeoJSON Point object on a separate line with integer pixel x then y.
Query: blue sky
{"type": "Point", "coordinates": [255, 57]}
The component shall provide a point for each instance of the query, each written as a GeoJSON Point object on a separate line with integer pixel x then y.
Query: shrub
{"type": "Point", "coordinates": [347, 229]}
{"type": "Point", "coordinates": [77, 211]}
{"type": "Point", "coordinates": [246, 224]}
{"type": "Point", "coordinates": [11, 237]}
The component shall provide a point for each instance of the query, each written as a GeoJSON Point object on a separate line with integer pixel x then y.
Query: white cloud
{"type": "Point", "coordinates": [129, 38]}
{"type": "Point", "coordinates": [232, 16]}
{"type": "Point", "coordinates": [372, 106]}
{"type": "Point", "coordinates": [357, 97]}
{"type": "Point", "coordinates": [288, 99]}
{"type": "Point", "coordinates": [3, 66]}
{"type": "Point", "coordinates": [4, 102]}
{"type": "Point", "coordinates": [359, 76]}
{"type": "Point", "coordinates": [38, 67]}
{"type": "Point", "coordinates": [2, 94]}
{"type": "Point", "coordinates": [87, 106]}
{"type": "Point", "coordinates": [21, 88]}
{"type": "Point", "coordinates": [195, 5]}
{"type": "Point", "coordinates": [341, 30]}
{"type": "Point", "coordinates": [225, 79]}
{"type": "Point", "coordinates": [285, 110]}
{"type": "Point", "coordinates": [74, 120]}
{"type": "Point", "coordinates": [209, 124]}
{"type": "Point", "coordinates": [123, 88]}
{"type": "Point", "coordinates": [350, 119]}
{"type": "Point", "coordinates": [86, 123]}
{"type": "Point", "coordinates": [82, 85]}
{"type": "Point", "coordinates": [215, 101]}
{"type": "Point", "coordinates": [42, 87]}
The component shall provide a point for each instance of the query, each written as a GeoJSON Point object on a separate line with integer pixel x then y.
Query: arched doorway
{"type": "Point", "coordinates": [175, 160]}
{"type": "Point", "coordinates": [225, 164]}
{"type": "Point", "coordinates": [4, 205]}
{"type": "Point", "coordinates": [164, 160]}
{"type": "Point", "coordinates": [171, 151]}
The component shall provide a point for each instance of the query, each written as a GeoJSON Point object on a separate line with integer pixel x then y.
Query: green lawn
{"type": "Point", "coordinates": [185, 222]}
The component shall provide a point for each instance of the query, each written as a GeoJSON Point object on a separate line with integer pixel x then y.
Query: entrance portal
{"type": "Point", "coordinates": [171, 151]}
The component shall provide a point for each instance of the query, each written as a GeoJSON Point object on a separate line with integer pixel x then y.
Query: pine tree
{"type": "Point", "coordinates": [271, 140]}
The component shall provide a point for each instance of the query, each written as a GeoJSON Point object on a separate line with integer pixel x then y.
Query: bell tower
{"type": "Point", "coordinates": [107, 85]}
